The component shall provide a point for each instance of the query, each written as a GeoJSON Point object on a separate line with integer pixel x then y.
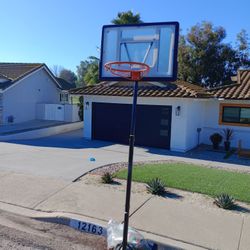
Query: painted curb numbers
{"type": "Point", "coordinates": [87, 227]}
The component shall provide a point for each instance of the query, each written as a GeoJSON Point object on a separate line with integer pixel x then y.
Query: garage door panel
{"type": "Point", "coordinates": [111, 122]}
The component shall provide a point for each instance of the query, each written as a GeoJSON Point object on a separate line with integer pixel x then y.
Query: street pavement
{"type": "Point", "coordinates": [22, 233]}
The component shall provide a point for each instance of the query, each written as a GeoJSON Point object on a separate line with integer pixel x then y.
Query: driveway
{"type": "Point", "coordinates": [68, 156]}
{"type": "Point", "coordinates": [65, 156]}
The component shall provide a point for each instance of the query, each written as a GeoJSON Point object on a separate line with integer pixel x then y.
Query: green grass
{"type": "Point", "coordinates": [194, 178]}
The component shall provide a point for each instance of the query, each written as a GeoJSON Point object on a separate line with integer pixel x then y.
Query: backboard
{"type": "Point", "coordinates": [155, 44]}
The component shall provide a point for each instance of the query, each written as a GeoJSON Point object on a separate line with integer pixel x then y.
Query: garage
{"type": "Point", "coordinates": [111, 122]}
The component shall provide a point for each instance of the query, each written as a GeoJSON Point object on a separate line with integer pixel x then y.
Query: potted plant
{"type": "Point", "coordinates": [228, 135]}
{"type": "Point", "coordinates": [216, 139]}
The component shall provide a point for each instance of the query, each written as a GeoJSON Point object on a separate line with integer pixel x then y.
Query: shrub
{"type": "Point", "coordinates": [224, 201]}
{"type": "Point", "coordinates": [216, 139]}
{"type": "Point", "coordinates": [107, 178]}
{"type": "Point", "coordinates": [156, 186]}
{"type": "Point", "coordinates": [228, 134]}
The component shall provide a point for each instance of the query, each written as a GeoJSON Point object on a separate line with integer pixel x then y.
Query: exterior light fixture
{"type": "Point", "coordinates": [178, 110]}
{"type": "Point", "coordinates": [86, 105]}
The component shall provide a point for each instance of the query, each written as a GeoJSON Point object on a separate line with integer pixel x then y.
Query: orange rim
{"type": "Point", "coordinates": [130, 74]}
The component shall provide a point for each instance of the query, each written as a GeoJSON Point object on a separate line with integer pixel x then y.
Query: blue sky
{"type": "Point", "coordinates": [64, 32]}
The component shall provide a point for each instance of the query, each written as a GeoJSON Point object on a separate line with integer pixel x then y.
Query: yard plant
{"type": "Point", "coordinates": [194, 178]}
{"type": "Point", "coordinates": [224, 201]}
{"type": "Point", "coordinates": [156, 186]}
{"type": "Point", "coordinates": [216, 139]}
{"type": "Point", "coordinates": [107, 178]}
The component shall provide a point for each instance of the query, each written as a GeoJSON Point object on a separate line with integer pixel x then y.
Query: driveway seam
{"type": "Point", "coordinates": [240, 238]}
{"type": "Point", "coordinates": [16, 205]}
{"type": "Point", "coordinates": [51, 195]}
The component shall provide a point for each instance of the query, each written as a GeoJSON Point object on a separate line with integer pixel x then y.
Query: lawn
{"type": "Point", "coordinates": [194, 178]}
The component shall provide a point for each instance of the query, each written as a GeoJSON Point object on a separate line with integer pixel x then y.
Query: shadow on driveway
{"type": "Point", "coordinates": [75, 140]}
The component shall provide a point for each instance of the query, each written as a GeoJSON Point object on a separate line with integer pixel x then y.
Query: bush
{"type": "Point", "coordinates": [107, 178]}
{"type": "Point", "coordinates": [216, 139]}
{"type": "Point", "coordinates": [156, 186]}
{"type": "Point", "coordinates": [224, 201]}
{"type": "Point", "coordinates": [228, 134]}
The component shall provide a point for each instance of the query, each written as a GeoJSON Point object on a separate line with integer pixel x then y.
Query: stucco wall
{"type": "Point", "coordinates": [211, 124]}
{"type": "Point", "coordinates": [71, 113]}
{"type": "Point", "coordinates": [195, 113]}
{"type": "Point", "coordinates": [20, 100]}
{"type": "Point", "coordinates": [180, 139]}
{"type": "Point", "coordinates": [195, 120]}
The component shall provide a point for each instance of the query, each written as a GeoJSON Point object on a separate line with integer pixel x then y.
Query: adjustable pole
{"type": "Point", "coordinates": [130, 167]}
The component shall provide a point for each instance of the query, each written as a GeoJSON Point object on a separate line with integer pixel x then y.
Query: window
{"type": "Point", "coordinates": [64, 97]}
{"type": "Point", "coordinates": [235, 114]}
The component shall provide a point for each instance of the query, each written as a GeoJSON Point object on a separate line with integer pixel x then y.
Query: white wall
{"type": "Point", "coordinates": [45, 111]}
{"type": "Point", "coordinates": [180, 133]}
{"type": "Point", "coordinates": [211, 124]}
{"type": "Point", "coordinates": [71, 113]}
{"type": "Point", "coordinates": [43, 132]}
{"type": "Point", "coordinates": [195, 120]}
{"type": "Point", "coordinates": [20, 100]}
{"type": "Point", "coordinates": [195, 113]}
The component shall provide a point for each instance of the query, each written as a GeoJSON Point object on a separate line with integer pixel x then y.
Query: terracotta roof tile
{"type": "Point", "coordinates": [176, 89]}
{"type": "Point", "coordinates": [14, 71]}
{"type": "Point", "coordinates": [240, 90]}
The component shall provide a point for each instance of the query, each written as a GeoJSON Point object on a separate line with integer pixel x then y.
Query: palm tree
{"type": "Point", "coordinates": [127, 17]}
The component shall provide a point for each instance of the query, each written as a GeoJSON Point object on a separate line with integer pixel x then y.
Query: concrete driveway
{"type": "Point", "coordinates": [65, 156]}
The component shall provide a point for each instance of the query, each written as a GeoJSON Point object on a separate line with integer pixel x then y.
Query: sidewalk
{"type": "Point", "coordinates": [169, 220]}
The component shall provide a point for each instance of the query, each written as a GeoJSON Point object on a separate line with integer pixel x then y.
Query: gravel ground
{"type": "Point", "coordinates": [112, 168]}
{"type": "Point", "coordinates": [23, 233]}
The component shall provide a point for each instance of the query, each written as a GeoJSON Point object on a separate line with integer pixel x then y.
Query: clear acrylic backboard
{"type": "Point", "coordinates": [155, 44]}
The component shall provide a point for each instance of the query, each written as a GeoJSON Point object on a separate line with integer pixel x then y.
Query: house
{"type": "Point", "coordinates": [176, 116]}
{"type": "Point", "coordinates": [29, 91]}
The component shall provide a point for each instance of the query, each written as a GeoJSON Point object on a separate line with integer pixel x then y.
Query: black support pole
{"type": "Point", "coordinates": [130, 167]}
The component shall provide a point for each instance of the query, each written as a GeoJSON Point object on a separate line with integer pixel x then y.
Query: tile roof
{"type": "Point", "coordinates": [14, 71]}
{"type": "Point", "coordinates": [175, 89]}
{"type": "Point", "coordinates": [237, 91]}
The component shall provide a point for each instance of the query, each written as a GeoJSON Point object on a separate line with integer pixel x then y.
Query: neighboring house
{"type": "Point", "coordinates": [176, 116]}
{"type": "Point", "coordinates": [29, 91]}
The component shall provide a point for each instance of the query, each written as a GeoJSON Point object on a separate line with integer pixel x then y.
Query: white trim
{"type": "Point", "coordinates": [52, 76]}
{"type": "Point", "coordinates": [30, 74]}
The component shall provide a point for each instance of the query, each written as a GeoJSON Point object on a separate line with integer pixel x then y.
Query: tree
{"type": "Point", "coordinates": [92, 74]}
{"type": "Point", "coordinates": [80, 105]}
{"type": "Point", "coordinates": [87, 71]}
{"type": "Point", "coordinates": [68, 75]}
{"type": "Point", "coordinates": [81, 71]}
{"type": "Point", "coordinates": [56, 69]}
{"type": "Point", "coordinates": [127, 17]}
{"type": "Point", "coordinates": [243, 50]}
{"type": "Point", "coordinates": [204, 58]}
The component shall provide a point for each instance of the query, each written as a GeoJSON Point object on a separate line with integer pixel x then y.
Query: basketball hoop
{"type": "Point", "coordinates": [130, 70]}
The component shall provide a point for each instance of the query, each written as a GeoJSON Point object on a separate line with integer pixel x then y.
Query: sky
{"type": "Point", "coordinates": [65, 32]}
